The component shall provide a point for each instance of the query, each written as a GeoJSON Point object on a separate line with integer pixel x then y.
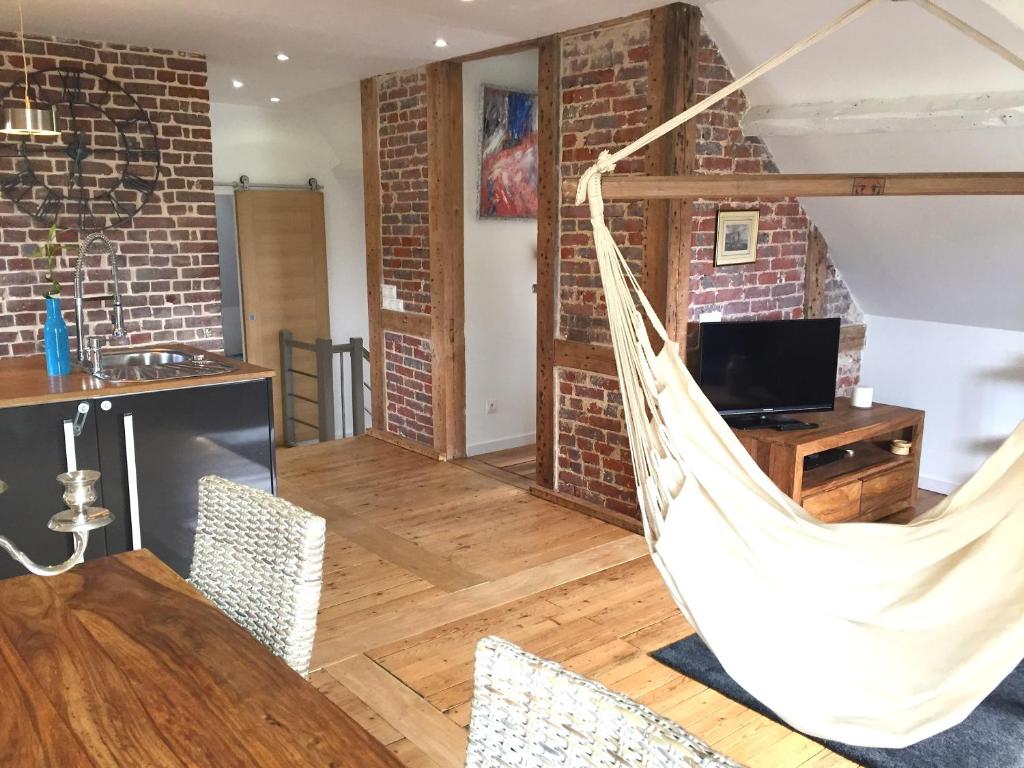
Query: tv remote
{"type": "Point", "coordinates": [795, 426]}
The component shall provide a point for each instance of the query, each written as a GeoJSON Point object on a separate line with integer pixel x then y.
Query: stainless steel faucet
{"type": "Point", "coordinates": [90, 357]}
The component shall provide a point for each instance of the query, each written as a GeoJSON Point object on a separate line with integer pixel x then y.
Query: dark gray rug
{"type": "Point", "coordinates": [991, 737]}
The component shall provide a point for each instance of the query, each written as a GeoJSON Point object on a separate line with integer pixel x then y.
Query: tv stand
{"type": "Point", "coordinates": [871, 484]}
{"type": "Point", "coordinates": [767, 421]}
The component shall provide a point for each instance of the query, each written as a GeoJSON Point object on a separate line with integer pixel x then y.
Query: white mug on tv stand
{"type": "Point", "coordinates": [863, 397]}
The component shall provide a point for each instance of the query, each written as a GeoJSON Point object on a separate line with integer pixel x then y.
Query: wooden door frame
{"type": "Point", "coordinates": [675, 32]}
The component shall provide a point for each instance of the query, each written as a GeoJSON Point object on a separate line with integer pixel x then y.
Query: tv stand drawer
{"type": "Point", "coordinates": [888, 491]}
{"type": "Point", "coordinates": [837, 505]}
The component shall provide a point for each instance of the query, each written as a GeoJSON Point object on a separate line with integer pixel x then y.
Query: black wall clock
{"type": "Point", "coordinates": [99, 172]}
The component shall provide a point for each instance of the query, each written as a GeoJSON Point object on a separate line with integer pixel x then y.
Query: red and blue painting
{"type": "Point", "coordinates": [508, 157]}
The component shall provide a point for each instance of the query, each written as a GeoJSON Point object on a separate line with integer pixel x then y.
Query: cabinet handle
{"type": "Point", "coordinates": [72, 429]}
{"type": "Point", "coordinates": [69, 445]}
{"type": "Point", "coordinates": [133, 480]}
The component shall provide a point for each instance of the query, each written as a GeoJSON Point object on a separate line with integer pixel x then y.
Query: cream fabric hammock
{"type": "Point", "coordinates": [877, 635]}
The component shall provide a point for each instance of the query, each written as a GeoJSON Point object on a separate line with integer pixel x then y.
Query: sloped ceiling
{"type": "Point", "coordinates": [955, 260]}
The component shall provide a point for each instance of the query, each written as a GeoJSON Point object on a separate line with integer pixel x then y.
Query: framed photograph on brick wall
{"type": "Point", "coordinates": [737, 237]}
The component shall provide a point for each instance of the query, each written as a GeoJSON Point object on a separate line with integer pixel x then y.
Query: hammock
{"type": "Point", "coordinates": [877, 635]}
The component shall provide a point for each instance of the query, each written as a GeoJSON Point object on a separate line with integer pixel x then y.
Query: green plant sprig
{"type": "Point", "coordinates": [50, 251]}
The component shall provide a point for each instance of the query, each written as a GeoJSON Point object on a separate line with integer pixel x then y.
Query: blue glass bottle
{"type": "Point", "coordinates": [55, 340]}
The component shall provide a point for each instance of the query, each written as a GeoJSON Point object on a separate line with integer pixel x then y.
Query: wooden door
{"type": "Point", "coordinates": [282, 255]}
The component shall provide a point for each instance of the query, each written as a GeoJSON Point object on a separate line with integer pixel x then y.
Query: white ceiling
{"type": "Point", "coordinates": [895, 49]}
{"type": "Point", "coordinates": [330, 42]}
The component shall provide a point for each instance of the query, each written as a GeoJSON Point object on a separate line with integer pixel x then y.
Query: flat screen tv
{"type": "Point", "coordinates": [755, 370]}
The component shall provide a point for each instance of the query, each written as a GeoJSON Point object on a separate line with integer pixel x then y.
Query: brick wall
{"type": "Point", "coordinates": [599, 68]}
{"type": "Point", "coordinates": [172, 290]}
{"type": "Point", "coordinates": [405, 234]}
{"type": "Point", "coordinates": [405, 248]}
{"type": "Point", "coordinates": [772, 288]}
{"type": "Point", "coordinates": [604, 106]}
{"type": "Point", "coordinates": [594, 461]}
{"type": "Point", "coordinates": [407, 371]}
{"type": "Point", "coordinates": [839, 302]}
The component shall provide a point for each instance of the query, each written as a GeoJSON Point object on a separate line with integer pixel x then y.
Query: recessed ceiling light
{"type": "Point", "coordinates": [237, 83]}
{"type": "Point", "coordinates": [440, 43]}
{"type": "Point", "coordinates": [274, 99]}
{"type": "Point", "coordinates": [282, 57]}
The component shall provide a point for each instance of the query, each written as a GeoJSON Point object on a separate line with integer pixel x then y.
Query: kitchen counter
{"type": "Point", "coordinates": [23, 380]}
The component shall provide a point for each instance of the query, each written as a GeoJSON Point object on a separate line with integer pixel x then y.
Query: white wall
{"type": "Point", "coordinates": [501, 268]}
{"type": "Point", "coordinates": [289, 142]}
{"type": "Point", "coordinates": [970, 382]}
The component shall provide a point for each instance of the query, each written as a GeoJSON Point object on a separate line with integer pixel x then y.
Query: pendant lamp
{"type": "Point", "coordinates": [28, 120]}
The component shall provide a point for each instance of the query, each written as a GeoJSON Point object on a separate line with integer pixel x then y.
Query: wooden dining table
{"type": "Point", "coordinates": [120, 662]}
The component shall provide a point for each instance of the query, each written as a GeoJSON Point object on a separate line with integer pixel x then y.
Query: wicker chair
{"type": "Point", "coordinates": [531, 713]}
{"type": "Point", "coordinates": [260, 560]}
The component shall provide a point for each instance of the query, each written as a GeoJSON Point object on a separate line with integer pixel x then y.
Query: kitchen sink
{"type": "Point", "coordinates": [145, 357]}
{"type": "Point", "coordinates": [153, 364]}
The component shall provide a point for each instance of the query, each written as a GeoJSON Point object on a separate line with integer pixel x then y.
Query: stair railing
{"type": "Point", "coordinates": [324, 351]}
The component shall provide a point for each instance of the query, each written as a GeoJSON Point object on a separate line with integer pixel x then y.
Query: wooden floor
{"type": "Point", "coordinates": [517, 466]}
{"type": "Point", "coordinates": [425, 558]}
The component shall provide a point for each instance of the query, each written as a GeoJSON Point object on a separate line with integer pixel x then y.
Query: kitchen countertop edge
{"type": "Point", "coordinates": [23, 381]}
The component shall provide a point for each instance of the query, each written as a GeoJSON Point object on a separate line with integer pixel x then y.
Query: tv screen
{"type": "Point", "coordinates": [782, 366]}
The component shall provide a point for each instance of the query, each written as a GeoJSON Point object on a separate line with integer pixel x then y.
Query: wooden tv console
{"type": "Point", "coordinates": [870, 485]}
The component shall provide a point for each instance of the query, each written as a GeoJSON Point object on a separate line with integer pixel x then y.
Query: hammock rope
{"type": "Point", "coordinates": [734, 550]}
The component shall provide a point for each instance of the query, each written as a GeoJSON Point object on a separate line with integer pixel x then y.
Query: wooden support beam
{"type": "Point", "coordinates": [957, 112]}
{"type": "Point", "coordinates": [374, 254]}
{"type": "Point", "coordinates": [548, 113]}
{"type": "Point", "coordinates": [588, 508]}
{"type": "Point", "coordinates": [811, 185]}
{"type": "Point", "coordinates": [596, 358]}
{"type": "Point", "coordinates": [410, 323]}
{"type": "Point", "coordinates": [672, 68]}
{"type": "Point", "coordinates": [815, 274]}
{"type": "Point", "coordinates": [445, 191]}
{"type": "Point", "coordinates": [852, 338]}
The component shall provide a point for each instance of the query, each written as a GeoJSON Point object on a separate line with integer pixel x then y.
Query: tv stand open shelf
{"type": "Point", "coordinates": [870, 485]}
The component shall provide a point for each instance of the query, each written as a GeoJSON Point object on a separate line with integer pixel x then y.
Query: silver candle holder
{"type": "Point", "coordinates": [79, 519]}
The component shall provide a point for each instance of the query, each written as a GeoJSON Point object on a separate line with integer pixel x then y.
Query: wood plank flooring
{"type": "Point", "coordinates": [425, 558]}
{"type": "Point", "coordinates": [517, 466]}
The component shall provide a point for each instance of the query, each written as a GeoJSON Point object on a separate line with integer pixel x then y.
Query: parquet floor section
{"type": "Point", "coordinates": [425, 558]}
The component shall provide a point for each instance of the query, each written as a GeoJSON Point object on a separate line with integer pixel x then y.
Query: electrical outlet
{"type": "Point", "coordinates": [491, 407]}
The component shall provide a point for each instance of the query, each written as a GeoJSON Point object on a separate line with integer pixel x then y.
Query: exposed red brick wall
{"type": "Point", "coordinates": [405, 247]}
{"type": "Point", "coordinates": [405, 233]}
{"type": "Point", "coordinates": [604, 106]}
{"type": "Point", "coordinates": [172, 290]}
{"type": "Point", "coordinates": [594, 462]}
{"type": "Point", "coordinates": [772, 288]}
{"type": "Point", "coordinates": [407, 370]}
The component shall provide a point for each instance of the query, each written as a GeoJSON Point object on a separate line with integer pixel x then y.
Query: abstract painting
{"type": "Point", "coordinates": [508, 154]}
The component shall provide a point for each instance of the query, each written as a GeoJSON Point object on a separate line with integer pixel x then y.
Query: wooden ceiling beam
{"type": "Point", "coordinates": [955, 112]}
{"type": "Point", "coordinates": [715, 186]}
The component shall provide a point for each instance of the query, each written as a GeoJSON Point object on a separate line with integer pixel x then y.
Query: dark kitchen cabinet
{"type": "Point", "coordinates": [154, 448]}
{"type": "Point", "coordinates": [34, 449]}
{"type": "Point", "coordinates": [151, 449]}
